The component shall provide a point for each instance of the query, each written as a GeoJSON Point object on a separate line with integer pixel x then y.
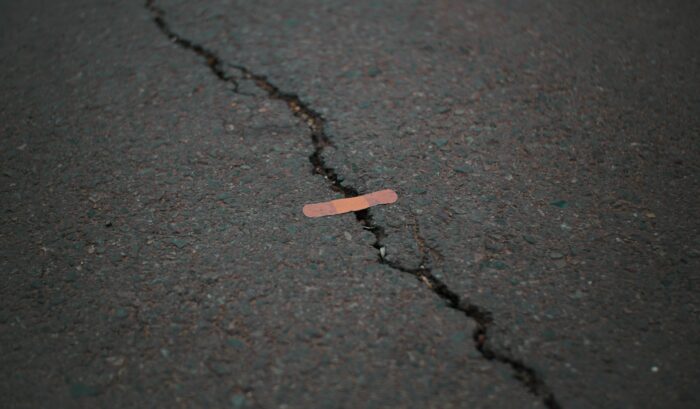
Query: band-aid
{"type": "Point", "coordinates": [351, 204]}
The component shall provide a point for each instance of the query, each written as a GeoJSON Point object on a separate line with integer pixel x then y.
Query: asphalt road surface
{"type": "Point", "coordinates": [544, 251]}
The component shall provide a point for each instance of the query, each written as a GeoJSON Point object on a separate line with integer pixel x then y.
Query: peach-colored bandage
{"type": "Point", "coordinates": [351, 204]}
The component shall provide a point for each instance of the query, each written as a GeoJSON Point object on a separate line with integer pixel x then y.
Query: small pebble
{"type": "Point", "coordinates": [529, 239]}
{"type": "Point", "coordinates": [238, 401]}
{"type": "Point", "coordinates": [577, 295]}
{"type": "Point", "coordinates": [562, 204]}
{"type": "Point", "coordinates": [121, 313]}
{"type": "Point", "coordinates": [493, 246]}
{"type": "Point", "coordinates": [79, 390]}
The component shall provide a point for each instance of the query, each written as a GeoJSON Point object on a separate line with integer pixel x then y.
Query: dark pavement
{"type": "Point", "coordinates": [544, 250]}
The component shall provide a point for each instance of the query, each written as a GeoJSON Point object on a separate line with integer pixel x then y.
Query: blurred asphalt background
{"type": "Point", "coordinates": [544, 251]}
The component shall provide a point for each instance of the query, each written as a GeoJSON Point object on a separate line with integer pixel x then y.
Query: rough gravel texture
{"type": "Point", "coordinates": [544, 251]}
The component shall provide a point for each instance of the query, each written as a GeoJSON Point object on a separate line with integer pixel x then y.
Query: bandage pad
{"type": "Point", "coordinates": [351, 204]}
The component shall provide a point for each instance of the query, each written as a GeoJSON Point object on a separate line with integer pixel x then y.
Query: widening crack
{"type": "Point", "coordinates": [320, 140]}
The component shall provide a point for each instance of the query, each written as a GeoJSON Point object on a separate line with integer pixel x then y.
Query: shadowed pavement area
{"type": "Point", "coordinates": [544, 250]}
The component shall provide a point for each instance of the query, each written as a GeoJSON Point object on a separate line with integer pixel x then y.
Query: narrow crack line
{"type": "Point", "coordinates": [212, 60]}
{"type": "Point", "coordinates": [526, 375]}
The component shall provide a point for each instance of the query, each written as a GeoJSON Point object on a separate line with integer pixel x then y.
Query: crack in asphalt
{"type": "Point", "coordinates": [525, 374]}
{"type": "Point", "coordinates": [212, 60]}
